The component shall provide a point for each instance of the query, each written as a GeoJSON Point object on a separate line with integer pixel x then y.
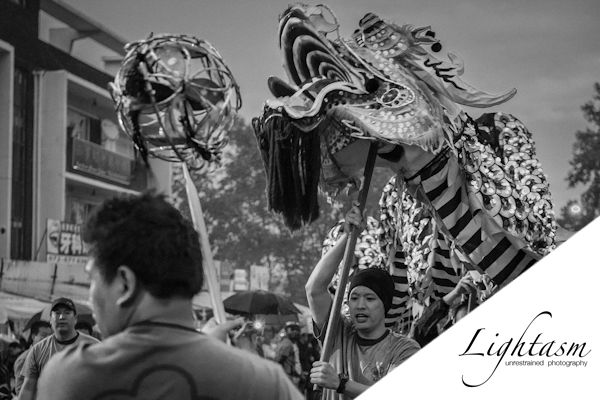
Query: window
{"type": "Point", "coordinates": [22, 3]}
{"type": "Point", "coordinates": [22, 167]}
{"type": "Point", "coordinates": [102, 132]}
{"type": "Point", "coordinates": [81, 126]}
{"type": "Point", "coordinates": [78, 210]}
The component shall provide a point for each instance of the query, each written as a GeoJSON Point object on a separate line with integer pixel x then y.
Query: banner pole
{"type": "Point", "coordinates": [214, 288]}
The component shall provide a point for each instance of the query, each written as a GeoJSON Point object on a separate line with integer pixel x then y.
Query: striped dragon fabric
{"type": "Point", "coordinates": [437, 215]}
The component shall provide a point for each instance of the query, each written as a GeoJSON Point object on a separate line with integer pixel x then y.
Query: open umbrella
{"type": "Point", "coordinates": [84, 314]}
{"type": "Point", "coordinates": [259, 302]}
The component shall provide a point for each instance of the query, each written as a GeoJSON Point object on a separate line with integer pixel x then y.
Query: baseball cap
{"type": "Point", "coordinates": [64, 301]}
{"type": "Point", "coordinates": [292, 324]}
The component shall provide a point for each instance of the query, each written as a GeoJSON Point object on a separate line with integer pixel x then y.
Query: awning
{"type": "Point", "coordinates": [15, 307]}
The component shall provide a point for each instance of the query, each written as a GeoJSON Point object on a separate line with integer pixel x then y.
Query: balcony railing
{"type": "Point", "coordinates": [94, 159]}
{"type": "Point", "coordinates": [90, 159]}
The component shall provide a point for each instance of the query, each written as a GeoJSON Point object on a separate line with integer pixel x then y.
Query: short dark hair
{"type": "Point", "coordinates": [151, 237]}
{"type": "Point", "coordinates": [35, 327]}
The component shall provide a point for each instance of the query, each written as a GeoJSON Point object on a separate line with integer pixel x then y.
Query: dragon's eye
{"type": "Point", "coordinates": [372, 85]}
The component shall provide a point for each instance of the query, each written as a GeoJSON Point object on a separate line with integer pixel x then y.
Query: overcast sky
{"type": "Point", "coordinates": [548, 49]}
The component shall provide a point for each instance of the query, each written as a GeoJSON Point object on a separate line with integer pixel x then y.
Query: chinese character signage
{"type": "Point", "coordinates": [64, 243]}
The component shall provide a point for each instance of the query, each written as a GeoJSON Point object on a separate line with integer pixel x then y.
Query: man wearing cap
{"type": "Point", "coordinates": [364, 349]}
{"type": "Point", "coordinates": [63, 317]}
{"type": "Point", "coordinates": [288, 354]}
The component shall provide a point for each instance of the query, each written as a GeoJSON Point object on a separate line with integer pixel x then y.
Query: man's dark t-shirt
{"type": "Point", "coordinates": [162, 361]}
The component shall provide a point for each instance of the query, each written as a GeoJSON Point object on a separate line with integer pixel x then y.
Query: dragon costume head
{"type": "Point", "coordinates": [383, 84]}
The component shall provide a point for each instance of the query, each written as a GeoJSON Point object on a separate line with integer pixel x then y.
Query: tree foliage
{"type": "Point", "coordinates": [585, 168]}
{"type": "Point", "coordinates": [242, 230]}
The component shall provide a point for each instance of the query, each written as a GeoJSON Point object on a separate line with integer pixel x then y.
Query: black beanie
{"type": "Point", "coordinates": [378, 280]}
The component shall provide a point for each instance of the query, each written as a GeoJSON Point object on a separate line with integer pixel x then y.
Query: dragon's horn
{"type": "Point", "coordinates": [280, 88]}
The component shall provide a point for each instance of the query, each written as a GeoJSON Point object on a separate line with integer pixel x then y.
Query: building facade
{"type": "Point", "coordinates": [61, 150]}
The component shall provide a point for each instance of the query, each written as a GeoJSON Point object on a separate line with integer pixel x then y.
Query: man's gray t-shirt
{"type": "Point", "coordinates": [17, 368]}
{"type": "Point", "coordinates": [161, 361]}
{"type": "Point", "coordinates": [365, 361]}
{"type": "Point", "coordinates": [40, 353]}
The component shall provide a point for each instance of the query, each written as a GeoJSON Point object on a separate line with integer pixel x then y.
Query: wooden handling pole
{"type": "Point", "coordinates": [334, 316]}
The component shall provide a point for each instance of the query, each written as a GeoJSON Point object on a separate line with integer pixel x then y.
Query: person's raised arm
{"type": "Point", "coordinates": [464, 286]}
{"type": "Point", "coordinates": [220, 331]}
{"type": "Point", "coordinates": [319, 299]}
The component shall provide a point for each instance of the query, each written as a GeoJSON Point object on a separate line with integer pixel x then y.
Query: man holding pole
{"type": "Point", "coordinates": [364, 350]}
